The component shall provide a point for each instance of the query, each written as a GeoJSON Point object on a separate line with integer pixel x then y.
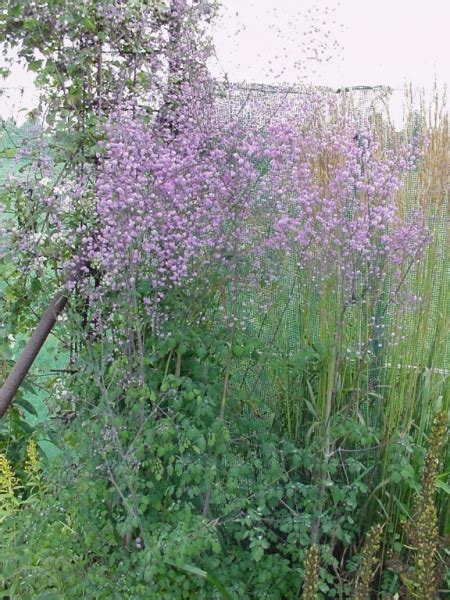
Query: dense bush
{"type": "Point", "coordinates": [154, 497]}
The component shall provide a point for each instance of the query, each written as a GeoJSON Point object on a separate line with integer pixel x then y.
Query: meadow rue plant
{"type": "Point", "coordinates": [170, 206]}
{"type": "Point", "coordinates": [181, 184]}
{"type": "Point", "coordinates": [342, 216]}
{"type": "Point", "coordinates": [165, 208]}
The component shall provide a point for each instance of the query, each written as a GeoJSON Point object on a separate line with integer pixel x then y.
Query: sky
{"type": "Point", "coordinates": [332, 43]}
{"type": "Point", "coordinates": [369, 42]}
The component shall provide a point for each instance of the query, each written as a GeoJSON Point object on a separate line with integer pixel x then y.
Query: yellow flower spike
{"type": "Point", "coordinates": [8, 480]}
{"type": "Point", "coordinates": [32, 465]}
{"type": "Point", "coordinates": [311, 581]}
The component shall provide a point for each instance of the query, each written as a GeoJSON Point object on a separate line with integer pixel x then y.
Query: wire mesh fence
{"type": "Point", "coordinates": [258, 106]}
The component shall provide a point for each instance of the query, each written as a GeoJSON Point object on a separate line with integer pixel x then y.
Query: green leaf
{"type": "Point", "coordinates": [300, 360]}
{"type": "Point", "coordinates": [8, 153]}
{"type": "Point", "coordinates": [35, 65]}
{"type": "Point", "coordinates": [88, 24]}
{"type": "Point", "coordinates": [204, 575]}
{"type": "Point", "coordinates": [25, 426]}
{"type": "Point", "coordinates": [442, 485]}
{"type": "Point", "coordinates": [15, 10]}
{"type": "Point", "coordinates": [28, 406]}
{"type": "Point", "coordinates": [27, 386]}
{"type": "Point", "coordinates": [238, 351]}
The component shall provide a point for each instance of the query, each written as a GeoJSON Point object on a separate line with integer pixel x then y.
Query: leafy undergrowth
{"type": "Point", "coordinates": [161, 499]}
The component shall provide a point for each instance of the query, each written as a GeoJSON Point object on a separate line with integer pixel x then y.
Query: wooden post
{"type": "Point", "coordinates": [35, 343]}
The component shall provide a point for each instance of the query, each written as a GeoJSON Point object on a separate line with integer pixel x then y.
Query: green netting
{"type": "Point", "coordinates": [282, 329]}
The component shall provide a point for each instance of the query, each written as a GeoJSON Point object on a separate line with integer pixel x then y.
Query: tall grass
{"type": "Point", "coordinates": [383, 364]}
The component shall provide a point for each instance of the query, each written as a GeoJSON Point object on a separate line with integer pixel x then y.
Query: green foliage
{"type": "Point", "coordinates": [141, 478]}
{"type": "Point", "coordinates": [172, 502]}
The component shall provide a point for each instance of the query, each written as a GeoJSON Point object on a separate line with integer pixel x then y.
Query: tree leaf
{"type": "Point", "coordinates": [35, 65]}
{"type": "Point", "coordinates": [204, 575]}
{"type": "Point", "coordinates": [28, 406]}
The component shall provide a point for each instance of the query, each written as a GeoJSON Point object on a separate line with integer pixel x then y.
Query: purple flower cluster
{"type": "Point", "coordinates": [339, 211]}
{"type": "Point", "coordinates": [173, 205]}
{"type": "Point", "coordinates": [169, 209]}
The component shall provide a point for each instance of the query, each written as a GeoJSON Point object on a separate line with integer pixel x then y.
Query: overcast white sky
{"type": "Point", "coordinates": [378, 41]}
{"type": "Point", "coordinates": [324, 42]}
